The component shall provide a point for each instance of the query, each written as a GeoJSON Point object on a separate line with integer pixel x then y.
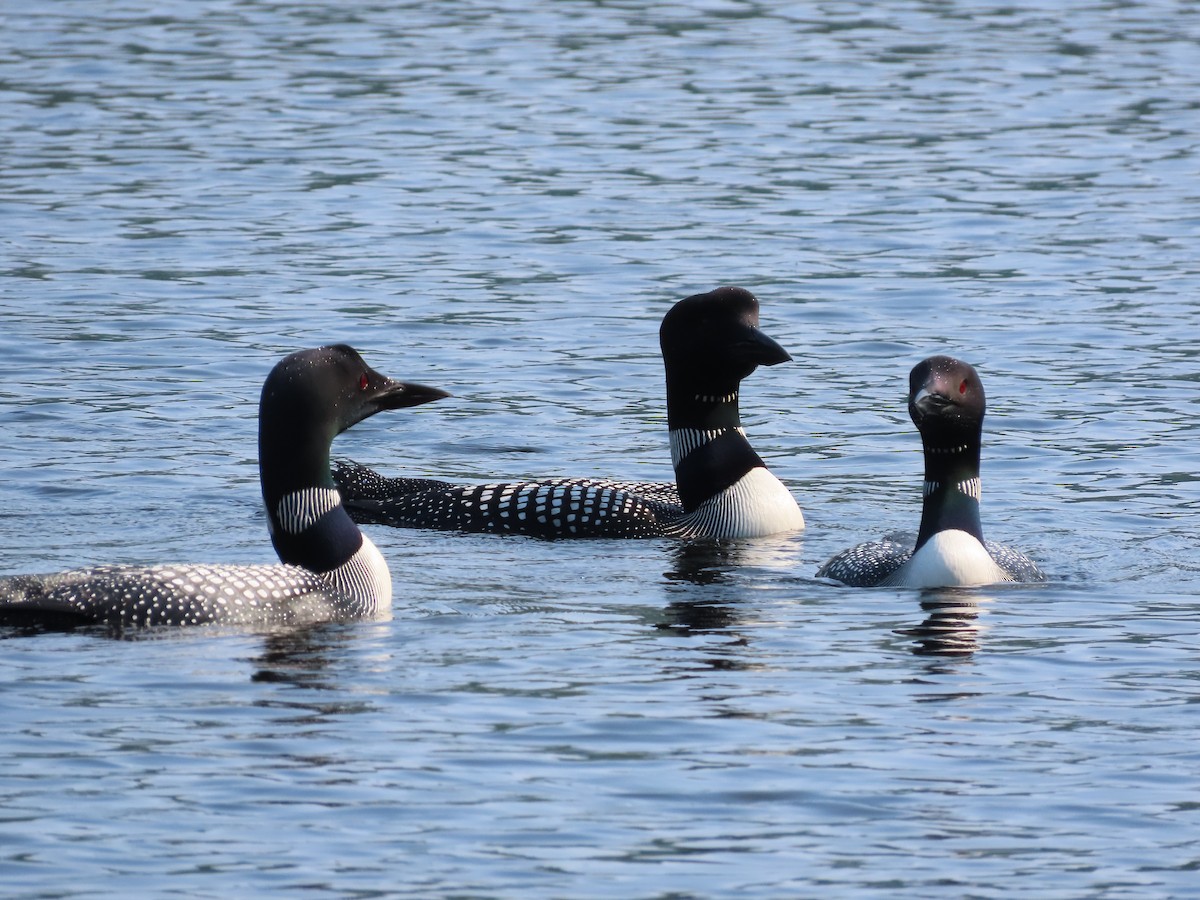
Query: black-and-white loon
{"type": "Point", "coordinates": [946, 403]}
{"type": "Point", "coordinates": [709, 342]}
{"type": "Point", "coordinates": [330, 569]}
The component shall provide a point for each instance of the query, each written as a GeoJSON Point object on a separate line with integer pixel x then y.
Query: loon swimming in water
{"type": "Point", "coordinates": [710, 342]}
{"type": "Point", "coordinates": [946, 403]}
{"type": "Point", "coordinates": [330, 569]}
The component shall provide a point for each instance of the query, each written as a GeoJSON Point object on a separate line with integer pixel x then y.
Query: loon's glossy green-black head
{"type": "Point", "coordinates": [328, 389]}
{"type": "Point", "coordinates": [715, 336]}
{"type": "Point", "coordinates": [945, 395]}
{"type": "Point", "coordinates": [309, 398]}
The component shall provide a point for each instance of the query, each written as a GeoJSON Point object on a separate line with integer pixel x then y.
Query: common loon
{"type": "Point", "coordinates": [709, 342]}
{"type": "Point", "coordinates": [946, 403]}
{"type": "Point", "coordinates": [330, 569]}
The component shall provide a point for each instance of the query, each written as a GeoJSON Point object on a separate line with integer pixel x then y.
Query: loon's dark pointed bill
{"type": "Point", "coordinates": [403, 394]}
{"type": "Point", "coordinates": [930, 401]}
{"type": "Point", "coordinates": [761, 350]}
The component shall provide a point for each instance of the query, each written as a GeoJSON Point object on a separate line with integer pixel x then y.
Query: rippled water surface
{"type": "Point", "coordinates": [502, 199]}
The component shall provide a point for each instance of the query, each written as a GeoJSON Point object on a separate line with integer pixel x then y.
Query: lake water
{"type": "Point", "coordinates": [502, 199]}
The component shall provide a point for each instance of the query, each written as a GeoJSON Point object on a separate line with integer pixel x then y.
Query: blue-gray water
{"type": "Point", "coordinates": [502, 199]}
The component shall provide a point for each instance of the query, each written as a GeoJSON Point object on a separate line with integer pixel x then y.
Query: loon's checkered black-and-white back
{"type": "Point", "coordinates": [710, 342]}
{"type": "Point", "coordinates": [331, 570]}
{"type": "Point", "coordinates": [947, 404]}
{"type": "Point", "coordinates": [137, 596]}
{"type": "Point", "coordinates": [755, 505]}
{"type": "Point", "coordinates": [553, 507]}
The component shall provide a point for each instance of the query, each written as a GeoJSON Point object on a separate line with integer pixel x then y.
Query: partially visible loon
{"type": "Point", "coordinates": [710, 342]}
{"type": "Point", "coordinates": [946, 403]}
{"type": "Point", "coordinates": [330, 569]}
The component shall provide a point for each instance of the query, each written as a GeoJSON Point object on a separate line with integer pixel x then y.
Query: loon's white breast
{"type": "Point", "coordinates": [950, 558]}
{"type": "Point", "coordinates": [756, 505]}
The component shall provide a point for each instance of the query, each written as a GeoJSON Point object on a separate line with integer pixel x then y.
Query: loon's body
{"type": "Point", "coordinates": [947, 404]}
{"type": "Point", "coordinates": [710, 342]}
{"type": "Point", "coordinates": [330, 570]}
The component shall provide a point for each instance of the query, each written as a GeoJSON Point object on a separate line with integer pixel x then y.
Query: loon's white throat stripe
{"type": "Point", "coordinates": [713, 398]}
{"type": "Point", "coordinates": [970, 487]}
{"type": "Point", "coordinates": [947, 451]}
{"type": "Point", "coordinates": [299, 511]}
{"type": "Point", "coordinates": [685, 440]}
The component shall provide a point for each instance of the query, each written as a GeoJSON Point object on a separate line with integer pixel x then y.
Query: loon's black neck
{"type": "Point", "coordinates": [708, 448]}
{"type": "Point", "coordinates": [710, 342]}
{"type": "Point", "coordinates": [951, 487]}
{"type": "Point", "coordinates": [308, 525]}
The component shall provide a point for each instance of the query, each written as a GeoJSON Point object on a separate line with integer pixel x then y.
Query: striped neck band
{"type": "Point", "coordinates": [685, 440]}
{"type": "Point", "coordinates": [970, 487]}
{"type": "Point", "coordinates": [300, 510]}
{"type": "Point", "coordinates": [717, 398]}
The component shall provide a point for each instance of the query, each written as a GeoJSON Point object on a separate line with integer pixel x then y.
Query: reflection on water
{"type": "Point", "coordinates": [703, 562]}
{"type": "Point", "coordinates": [951, 626]}
{"type": "Point", "coordinates": [706, 588]}
{"type": "Point", "coordinates": [300, 656]}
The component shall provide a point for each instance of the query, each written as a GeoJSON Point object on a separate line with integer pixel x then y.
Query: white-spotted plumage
{"type": "Point", "coordinates": [194, 594]}
{"type": "Point", "coordinates": [950, 558]}
{"type": "Point", "coordinates": [556, 507]}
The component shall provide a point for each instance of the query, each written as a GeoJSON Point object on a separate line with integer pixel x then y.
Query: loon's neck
{"type": "Point", "coordinates": [951, 492]}
{"type": "Point", "coordinates": [709, 449]}
{"type": "Point", "coordinates": [309, 527]}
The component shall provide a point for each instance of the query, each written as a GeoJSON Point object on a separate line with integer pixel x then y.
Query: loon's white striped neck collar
{"type": "Point", "coordinates": [951, 463]}
{"type": "Point", "coordinates": [310, 528]}
{"type": "Point", "coordinates": [716, 399]}
{"type": "Point", "coordinates": [685, 441]}
{"type": "Point", "coordinates": [948, 451]}
{"type": "Point", "coordinates": [709, 460]}
{"type": "Point", "coordinates": [302, 509]}
{"type": "Point", "coordinates": [709, 450]}
{"type": "Point", "coordinates": [951, 495]}
{"type": "Point", "coordinates": [969, 486]}
{"type": "Point", "coordinates": [947, 404]}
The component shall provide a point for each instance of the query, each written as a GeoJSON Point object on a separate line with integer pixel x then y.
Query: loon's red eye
{"type": "Point", "coordinates": [962, 388]}
{"type": "Point", "coordinates": [362, 381]}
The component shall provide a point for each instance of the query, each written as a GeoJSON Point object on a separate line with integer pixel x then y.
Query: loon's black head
{"type": "Point", "coordinates": [309, 398]}
{"type": "Point", "coordinates": [331, 388]}
{"type": "Point", "coordinates": [946, 402]}
{"type": "Point", "coordinates": [712, 340]}
{"type": "Point", "coordinates": [709, 343]}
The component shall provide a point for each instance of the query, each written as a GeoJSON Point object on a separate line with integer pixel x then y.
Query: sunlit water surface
{"type": "Point", "coordinates": [502, 199]}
